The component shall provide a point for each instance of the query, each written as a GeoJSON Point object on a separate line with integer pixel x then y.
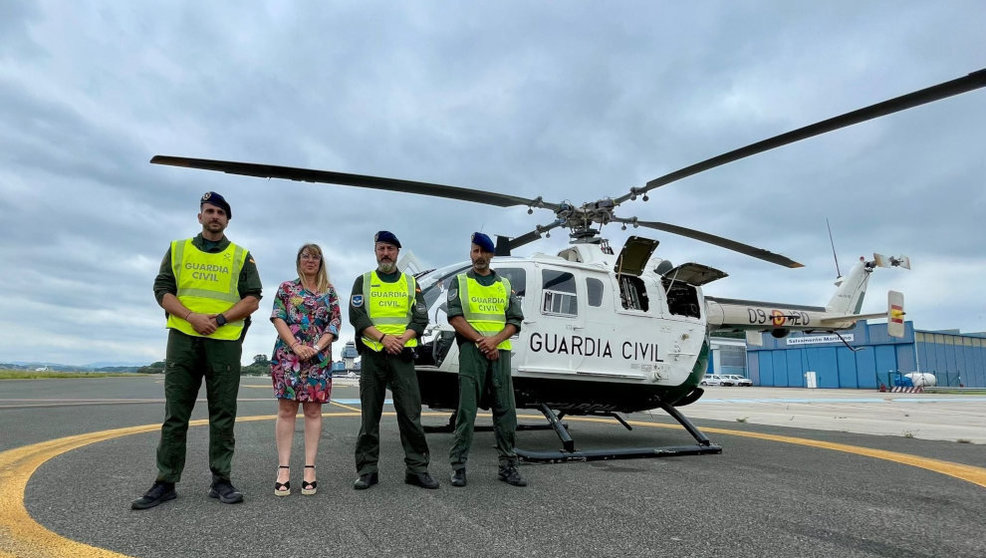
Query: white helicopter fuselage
{"type": "Point", "coordinates": [565, 334]}
{"type": "Point", "coordinates": [583, 323]}
{"type": "Point", "coordinates": [604, 332]}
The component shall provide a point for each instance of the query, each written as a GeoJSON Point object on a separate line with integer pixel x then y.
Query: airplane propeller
{"type": "Point", "coordinates": [580, 219]}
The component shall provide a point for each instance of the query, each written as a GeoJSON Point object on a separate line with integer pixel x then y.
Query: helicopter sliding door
{"type": "Point", "coordinates": [554, 322]}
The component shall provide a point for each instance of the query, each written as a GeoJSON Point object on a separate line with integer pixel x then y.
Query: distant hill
{"type": "Point", "coordinates": [95, 367]}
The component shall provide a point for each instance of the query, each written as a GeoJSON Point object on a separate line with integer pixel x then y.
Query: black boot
{"type": "Point", "coordinates": [159, 493]}
{"type": "Point", "coordinates": [459, 477]}
{"type": "Point", "coordinates": [510, 475]}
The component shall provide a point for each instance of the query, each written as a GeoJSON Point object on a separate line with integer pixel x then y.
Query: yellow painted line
{"type": "Point", "coordinates": [968, 473]}
{"type": "Point", "coordinates": [356, 409]}
{"type": "Point", "coordinates": [22, 537]}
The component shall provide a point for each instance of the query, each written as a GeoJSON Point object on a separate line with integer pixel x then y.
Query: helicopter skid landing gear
{"type": "Point", "coordinates": [569, 453]}
{"type": "Point", "coordinates": [449, 427]}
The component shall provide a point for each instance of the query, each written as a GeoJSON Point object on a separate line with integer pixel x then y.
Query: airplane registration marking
{"type": "Point", "coordinates": [22, 536]}
{"type": "Point", "coordinates": [777, 318]}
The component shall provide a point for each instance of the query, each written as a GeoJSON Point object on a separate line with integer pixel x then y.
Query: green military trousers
{"type": "Point", "coordinates": [378, 371]}
{"type": "Point", "coordinates": [476, 375]}
{"type": "Point", "coordinates": [188, 360]}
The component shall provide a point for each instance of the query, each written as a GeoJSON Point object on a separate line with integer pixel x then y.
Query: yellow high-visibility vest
{"type": "Point", "coordinates": [485, 308]}
{"type": "Point", "coordinates": [207, 284]}
{"type": "Point", "coordinates": [389, 306]}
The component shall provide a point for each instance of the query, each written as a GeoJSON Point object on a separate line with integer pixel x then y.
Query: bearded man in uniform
{"type": "Point", "coordinates": [388, 313]}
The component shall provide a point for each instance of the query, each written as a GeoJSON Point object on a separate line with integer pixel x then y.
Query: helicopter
{"type": "Point", "coordinates": [607, 333]}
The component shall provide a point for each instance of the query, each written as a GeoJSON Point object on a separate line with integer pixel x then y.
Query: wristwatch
{"type": "Point", "coordinates": [220, 320]}
{"type": "Point", "coordinates": [317, 348]}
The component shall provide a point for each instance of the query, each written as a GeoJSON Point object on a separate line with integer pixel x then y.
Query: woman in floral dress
{"type": "Point", "coordinates": [307, 318]}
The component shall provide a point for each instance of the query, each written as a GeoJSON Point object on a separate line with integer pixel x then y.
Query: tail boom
{"type": "Point", "coordinates": [841, 312]}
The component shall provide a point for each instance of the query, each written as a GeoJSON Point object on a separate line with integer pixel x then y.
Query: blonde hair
{"type": "Point", "coordinates": [321, 276]}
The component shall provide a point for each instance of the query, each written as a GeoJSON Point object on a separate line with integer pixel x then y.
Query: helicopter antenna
{"type": "Point", "coordinates": [832, 242]}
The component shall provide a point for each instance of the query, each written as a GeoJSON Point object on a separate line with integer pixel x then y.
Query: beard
{"type": "Point", "coordinates": [386, 266]}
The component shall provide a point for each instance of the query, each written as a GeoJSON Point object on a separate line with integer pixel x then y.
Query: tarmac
{"type": "Point", "coordinates": [927, 416]}
{"type": "Point", "coordinates": [802, 473]}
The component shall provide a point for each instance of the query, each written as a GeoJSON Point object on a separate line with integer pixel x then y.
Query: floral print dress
{"type": "Point", "coordinates": [309, 315]}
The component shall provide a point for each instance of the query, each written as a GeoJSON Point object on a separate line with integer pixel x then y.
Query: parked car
{"type": "Point", "coordinates": [712, 380]}
{"type": "Point", "coordinates": [739, 380]}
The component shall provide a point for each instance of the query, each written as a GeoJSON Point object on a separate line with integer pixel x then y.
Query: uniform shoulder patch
{"type": "Point", "coordinates": [357, 301]}
{"type": "Point", "coordinates": [453, 294]}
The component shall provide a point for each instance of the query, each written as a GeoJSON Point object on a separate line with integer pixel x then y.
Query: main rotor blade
{"type": "Point", "coordinates": [534, 235]}
{"type": "Point", "coordinates": [720, 241]}
{"type": "Point", "coordinates": [346, 179]}
{"type": "Point", "coordinates": [975, 80]}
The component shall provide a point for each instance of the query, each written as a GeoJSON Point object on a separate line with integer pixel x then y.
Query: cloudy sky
{"type": "Point", "coordinates": [569, 100]}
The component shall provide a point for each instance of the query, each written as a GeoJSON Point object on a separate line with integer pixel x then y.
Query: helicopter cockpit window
{"type": "Point", "coordinates": [594, 288]}
{"type": "Point", "coordinates": [517, 277]}
{"type": "Point", "coordinates": [434, 283]}
{"type": "Point", "coordinates": [559, 293]}
{"type": "Point", "coordinates": [633, 293]}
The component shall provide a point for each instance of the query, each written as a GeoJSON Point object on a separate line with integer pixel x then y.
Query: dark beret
{"type": "Point", "coordinates": [483, 241]}
{"type": "Point", "coordinates": [388, 237]}
{"type": "Point", "coordinates": [218, 201]}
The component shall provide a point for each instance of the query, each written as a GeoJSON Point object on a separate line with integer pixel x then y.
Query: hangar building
{"type": "Point", "coordinates": [956, 359]}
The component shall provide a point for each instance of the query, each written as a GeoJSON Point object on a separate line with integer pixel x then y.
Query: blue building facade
{"type": "Point", "coordinates": [954, 358]}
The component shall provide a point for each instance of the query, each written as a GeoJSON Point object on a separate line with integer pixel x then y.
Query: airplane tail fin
{"type": "Point", "coordinates": [848, 299]}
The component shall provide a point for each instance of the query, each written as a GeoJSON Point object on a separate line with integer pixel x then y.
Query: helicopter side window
{"type": "Point", "coordinates": [633, 293]}
{"type": "Point", "coordinates": [517, 277]}
{"type": "Point", "coordinates": [594, 288]}
{"type": "Point", "coordinates": [559, 293]}
{"type": "Point", "coordinates": [682, 298]}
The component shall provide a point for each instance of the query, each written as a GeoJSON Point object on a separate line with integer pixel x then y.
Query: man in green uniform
{"type": "Point", "coordinates": [485, 314]}
{"type": "Point", "coordinates": [388, 313]}
{"type": "Point", "coordinates": [208, 287]}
